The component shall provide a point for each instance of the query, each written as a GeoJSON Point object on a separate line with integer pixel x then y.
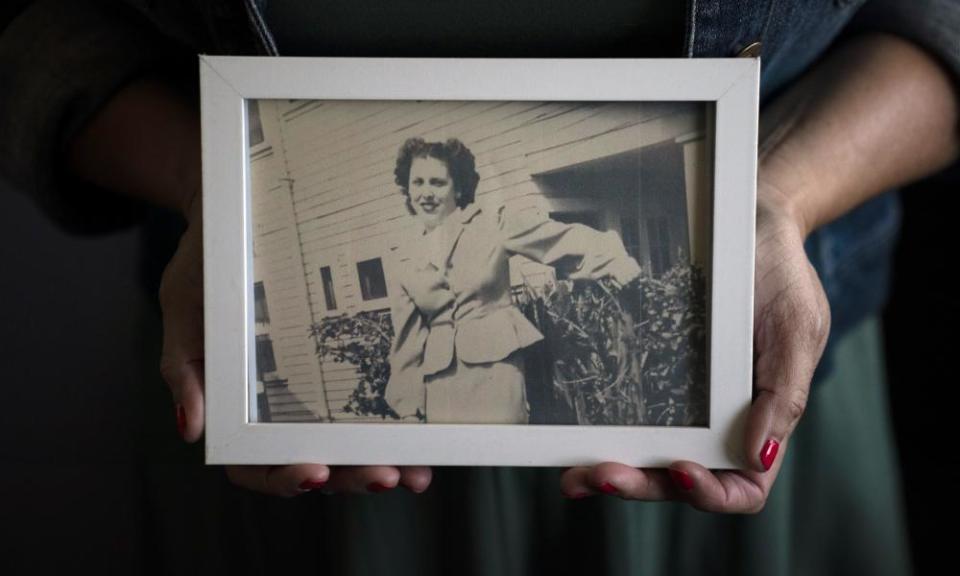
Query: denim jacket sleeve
{"type": "Point", "coordinates": [931, 24]}
{"type": "Point", "coordinates": [60, 60]}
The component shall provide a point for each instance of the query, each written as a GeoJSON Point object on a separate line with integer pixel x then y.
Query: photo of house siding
{"type": "Point", "coordinates": [328, 220]}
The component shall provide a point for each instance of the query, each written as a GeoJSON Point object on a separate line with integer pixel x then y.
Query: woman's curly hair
{"type": "Point", "coordinates": [459, 160]}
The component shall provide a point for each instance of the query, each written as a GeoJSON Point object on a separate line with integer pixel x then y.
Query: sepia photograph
{"type": "Point", "coordinates": [481, 262]}
{"type": "Point", "coordinates": [497, 262]}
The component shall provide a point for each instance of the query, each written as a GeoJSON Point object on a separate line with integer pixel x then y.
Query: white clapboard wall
{"type": "Point", "coordinates": [295, 389]}
{"type": "Point", "coordinates": [324, 197]}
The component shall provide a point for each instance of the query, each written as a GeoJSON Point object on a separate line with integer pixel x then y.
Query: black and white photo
{"type": "Point", "coordinates": [481, 262]}
{"type": "Point", "coordinates": [478, 261]}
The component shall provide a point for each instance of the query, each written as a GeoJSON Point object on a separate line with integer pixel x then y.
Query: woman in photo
{"type": "Point", "coordinates": [458, 338]}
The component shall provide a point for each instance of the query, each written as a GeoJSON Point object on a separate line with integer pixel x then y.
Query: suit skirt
{"type": "Point", "coordinates": [485, 393]}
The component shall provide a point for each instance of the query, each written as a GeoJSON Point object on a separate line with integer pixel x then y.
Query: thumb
{"type": "Point", "coordinates": [182, 358]}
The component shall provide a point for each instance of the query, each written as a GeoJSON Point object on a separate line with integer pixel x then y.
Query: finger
{"type": "Point", "coordinates": [185, 380]}
{"type": "Point", "coordinates": [363, 479]}
{"type": "Point", "coordinates": [791, 332]}
{"type": "Point", "coordinates": [181, 361]}
{"type": "Point", "coordinates": [725, 491]}
{"type": "Point", "coordinates": [575, 483]}
{"type": "Point", "coordinates": [283, 481]}
{"type": "Point", "coordinates": [633, 483]}
{"type": "Point", "coordinates": [416, 478]}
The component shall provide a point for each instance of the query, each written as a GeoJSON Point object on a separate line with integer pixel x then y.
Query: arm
{"type": "Point", "coordinates": [877, 113]}
{"type": "Point", "coordinates": [60, 60]}
{"type": "Point", "coordinates": [89, 133]}
{"type": "Point", "coordinates": [164, 169]}
{"type": "Point", "coordinates": [598, 254]}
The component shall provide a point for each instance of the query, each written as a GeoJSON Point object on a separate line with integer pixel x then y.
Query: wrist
{"type": "Point", "coordinates": [787, 182]}
{"type": "Point", "coordinates": [784, 197]}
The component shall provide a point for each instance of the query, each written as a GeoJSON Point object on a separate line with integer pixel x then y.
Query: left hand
{"type": "Point", "coordinates": [791, 324]}
{"type": "Point", "coordinates": [876, 112]}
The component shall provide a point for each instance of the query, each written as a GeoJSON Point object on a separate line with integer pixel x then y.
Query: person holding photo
{"type": "Point", "coordinates": [98, 122]}
{"type": "Point", "coordinates": [458, 338]}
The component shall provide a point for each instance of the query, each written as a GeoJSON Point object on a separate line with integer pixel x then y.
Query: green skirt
{"type": "Point", "coordinates": [836, 508]}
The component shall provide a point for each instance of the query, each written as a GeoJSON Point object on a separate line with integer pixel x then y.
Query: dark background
{"type": "Point", "coordinates": [922, 322]}
{"type": "Point", "coordinates": [80, 383]}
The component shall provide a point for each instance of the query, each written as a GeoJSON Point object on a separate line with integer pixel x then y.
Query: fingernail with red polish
{"type": "Point", "coordinates": [769, 453]}
{"type": "Point", "coordinates": [181, 419]}
{"type": "Point", "coordinates": [377, 487]}
{"type": "Point", "coordinates": [608, 488]}
{"type": "Point", "coordinates": [681, 479]}
{"type": "Point", "coordinates": [308, 485]}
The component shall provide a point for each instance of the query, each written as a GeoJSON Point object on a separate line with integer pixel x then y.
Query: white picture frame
{"type": "Point", "coordinates": [731, 85]}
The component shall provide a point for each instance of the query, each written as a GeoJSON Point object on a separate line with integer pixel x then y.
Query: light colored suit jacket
{"type": "Point", "coordinates": [451, 295]}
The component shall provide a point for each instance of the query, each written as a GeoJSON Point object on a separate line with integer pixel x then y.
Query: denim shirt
{"type": "Point", "coordinates": [61, 59]}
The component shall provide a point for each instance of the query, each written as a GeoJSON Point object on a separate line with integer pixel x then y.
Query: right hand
{"type": "Point", "coordinates": [182, 367]}
{"type": "Point", "coordinates": [609, 259]}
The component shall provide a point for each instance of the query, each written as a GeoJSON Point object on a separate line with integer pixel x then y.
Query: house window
{"type": "Point", "coordinates": [327, 277]}
{"type": "Point", "coordinates": [254, 126]}
{"type": "Point", "coordinates": [265, 359]}
{"type": "Point", "coordinates": [260, 311]}
{"type": "Point", "coordinates": [373, 285]}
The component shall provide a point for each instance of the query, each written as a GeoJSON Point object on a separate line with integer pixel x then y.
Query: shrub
{"type": "Point", "coordinates": [629, 355]}
{"type": "Point", "coordinates": [362, 340]}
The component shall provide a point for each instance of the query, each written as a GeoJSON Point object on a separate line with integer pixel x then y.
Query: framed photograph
{"type": "Point", "coordinates": [478, 262]}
